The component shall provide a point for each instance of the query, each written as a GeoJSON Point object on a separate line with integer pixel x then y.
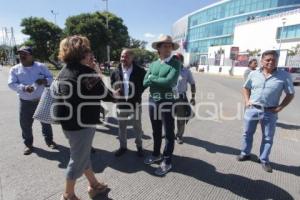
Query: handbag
{"type": "Point", "coordinates": [45, 110]}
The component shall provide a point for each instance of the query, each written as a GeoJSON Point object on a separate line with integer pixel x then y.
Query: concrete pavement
{"type": "Point", "coordinates": [204, 166]}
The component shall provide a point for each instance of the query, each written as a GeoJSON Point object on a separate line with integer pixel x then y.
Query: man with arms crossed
{"type": "Point", "coordinates": [161, 77]}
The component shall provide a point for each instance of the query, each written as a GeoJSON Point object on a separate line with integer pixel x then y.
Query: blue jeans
{"type": "Point", "coordinates": [161, 114]}
{"type": "Point", "coordinates": [267, 120]}
{"type": "Point", "coordinates": [27, 109]}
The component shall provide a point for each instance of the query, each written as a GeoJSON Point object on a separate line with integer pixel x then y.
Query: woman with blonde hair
{"type": "Point", "coordinates": [81, 88]}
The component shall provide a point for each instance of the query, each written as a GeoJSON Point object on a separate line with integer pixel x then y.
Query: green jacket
{"type": "Point", "coordinates": [161, 78]}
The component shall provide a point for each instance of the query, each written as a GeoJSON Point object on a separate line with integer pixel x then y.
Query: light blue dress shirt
{"type": "Point", "coordinates": [184, 78]}
{"type": "Point", "coordinates": [266, 92]}
{"type": "Point", "coordinates": [20, 76]}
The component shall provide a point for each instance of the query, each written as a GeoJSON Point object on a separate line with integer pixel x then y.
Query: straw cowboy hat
{"type": "Point", "coordinates": [165, 39]}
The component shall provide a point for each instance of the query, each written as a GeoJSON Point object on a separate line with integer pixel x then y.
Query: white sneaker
{"type": "Point", "coordinates": [163, 169]}
{"type": "Point", "coordinates": [152, 159]}
{"type": "Point", "coordinates": [179, 140]}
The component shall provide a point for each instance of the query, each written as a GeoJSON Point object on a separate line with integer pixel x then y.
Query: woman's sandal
{"type": "Point", "coordinates": [97, 189]}
{"type": "Point", "coordinates": [69, 198]}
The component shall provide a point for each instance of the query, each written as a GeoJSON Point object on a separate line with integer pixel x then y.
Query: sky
{"type": "Point", "coordinates": [145, 19]}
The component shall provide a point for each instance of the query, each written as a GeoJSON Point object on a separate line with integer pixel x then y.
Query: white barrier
{"type": "Point", "coordinates": [223, 70]}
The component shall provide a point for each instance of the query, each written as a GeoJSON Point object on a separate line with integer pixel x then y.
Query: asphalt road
{"type": "Point", "coordinates": [290, 115]}
{"type": "Point", "coordinates": [204, 167]}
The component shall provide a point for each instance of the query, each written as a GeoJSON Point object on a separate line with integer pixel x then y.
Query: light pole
{"type": "Point", "coordinates": [107, 46]}
{"type": "Point", "coordinates": [281, 33]}
{"type": "Point", "coordinates": [54, 13]}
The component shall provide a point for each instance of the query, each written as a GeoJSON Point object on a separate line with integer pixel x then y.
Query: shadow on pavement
{"type": "Point", "coordinates": [284, 168]}
{"type": "Point", "coordinates": [202, 171]}
{"type": "Point", "coordinates": [62, 155]}
{"type": "Point", "coordinates": [214, 148]}
{"type": "Point", "coordinates": [239, 185]}
{"type": "Point", "coordinates": [211, 147]}
{"type": "Point", "coordinates": [288, 169]}
{"type": "Point", "coordinates": [288, 126]}
{"type": "Point", "coordinates": [128, 163]}
{"type": "Point", "coordinates": [111, 128]}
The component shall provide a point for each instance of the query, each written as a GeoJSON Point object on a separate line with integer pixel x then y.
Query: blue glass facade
{"type": "Point", "coordinates": [288, 32]}
{"type": "Point", "coordinates": [215, 24]}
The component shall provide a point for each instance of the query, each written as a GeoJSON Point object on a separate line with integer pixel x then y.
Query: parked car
{"type": "Point", "coordinates": [295, 73]}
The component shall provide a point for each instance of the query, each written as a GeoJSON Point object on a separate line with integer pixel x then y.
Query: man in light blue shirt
{"type": "Point", "coordinates": [28, 79]}
{"type": "Point", "coordinates": [183, 108]}
{"type": "Point", "coordinates": [262, 91]}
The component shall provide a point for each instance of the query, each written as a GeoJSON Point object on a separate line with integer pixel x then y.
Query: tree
{"type": "Point", "coordinates": [7, 54]}
{"type": "Point", "coordinates": [44, 37]}
{"type": "Point", "coordinates": [3, 53]}
{"type": "Point", "coordinates": [93, 26]}
{"type": "Point", "coordinates": [143, 56]}
{"type": "Point", "coordinates": [294, 51]}
{"type": "Point", "coordinates": [135, 43]}
{"type": "Point", "coordinates": [254, 53]}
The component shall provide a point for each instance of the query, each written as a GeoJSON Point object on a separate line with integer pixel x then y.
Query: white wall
{"type": "Point", "coordinates": [179, 31]}
{"type": "Point", "coordinates": [261, 33]}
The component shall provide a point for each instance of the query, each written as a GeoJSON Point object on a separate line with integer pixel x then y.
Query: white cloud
{"type": "Point", "coordinates": [161, 35]}
{"type": "Point", "coordinates": [21, 38]}
{"type": "Point", "coordinates": [151, 40]}
{"type": "Point", "coordinates": [149, 35]}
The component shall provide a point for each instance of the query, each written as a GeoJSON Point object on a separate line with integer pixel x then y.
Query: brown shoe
{"type": "Point", "coordinates": [28, 150]}
{"type": "Point", "coordinates": [97, 189]}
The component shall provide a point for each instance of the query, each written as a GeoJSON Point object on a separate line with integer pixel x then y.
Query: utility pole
{"type": "Point", "coordinates": [9, 43]}
{"type": "Point", "coordinates": [283, 20]}
{"type": "Point", "coordinates": [107, 46]}
{"type": "Point", "coordinates": [281, 33]}
{"type": "Point", "coordinates": [54, 13]}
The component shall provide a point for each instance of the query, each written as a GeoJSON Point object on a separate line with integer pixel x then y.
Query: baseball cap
{"type": "Point", "coordinates": [25, 49]}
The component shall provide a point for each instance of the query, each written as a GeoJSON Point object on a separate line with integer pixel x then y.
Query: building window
{"type": "Point", "coordinates": [288, 32]}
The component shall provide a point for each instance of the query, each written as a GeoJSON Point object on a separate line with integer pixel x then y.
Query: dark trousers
{"type": "Point", "coordinates": [26, 112]}
{"type": "Point", "coordinates": [161, 114]}
{"type": "Point", "coordinates": [183, 113]}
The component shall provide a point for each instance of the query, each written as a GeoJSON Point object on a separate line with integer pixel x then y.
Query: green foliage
{"type": "Point", "coordinates": [93, 26]}
{"type": "Point", "coordinates": [135, 43]}
{"type": "Point", "coordinates": [255, 52]}
{"type": "Point", "coordinates": [3, 53]}
{"type": "Point", "coordinates": [44, 36]}
{"type": "Point", "coordinates": [294, 51]}
{"type": "Point", "coordinates": [143, 56]}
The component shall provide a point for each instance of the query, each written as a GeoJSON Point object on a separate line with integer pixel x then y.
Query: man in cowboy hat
{"type": "Point", "coordinates": [161, 78]}
{"type": "Point", "coordinates": [28, 79]}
